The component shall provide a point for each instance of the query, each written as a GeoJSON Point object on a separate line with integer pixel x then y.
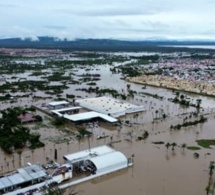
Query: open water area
{"type": "Point", "coordinates": [157, 170]}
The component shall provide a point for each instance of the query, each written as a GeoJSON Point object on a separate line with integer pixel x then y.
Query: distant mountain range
{"type": "Point", "coordinates": [96, 44]}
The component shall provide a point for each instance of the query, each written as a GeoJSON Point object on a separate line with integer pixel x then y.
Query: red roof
{"type": "Point", "coordinates": [27, 117]}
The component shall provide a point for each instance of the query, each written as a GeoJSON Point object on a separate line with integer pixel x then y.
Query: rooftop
{"type": "Point", "coordinates": [88, 116]}
{"type": "Point", "coordinates": [27, 117]}
{"type": "Point", "coordinates": [109, 106]}
{"type": "Point", "coordinates": [109, 159]}
{"type": "Point", "coordinates": [58, 112]}
{"type": "Point", "coordinates": [23, 175]}
{"type": "Point", "coordinates": [58, 103]}
{"type": "Point", "coordinates": [97, 151]}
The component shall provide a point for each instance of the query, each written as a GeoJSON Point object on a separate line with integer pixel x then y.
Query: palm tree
{"type": "Point", "coordinates": [52, 190]}
{"type": "Point", "coordinates": [184, 145]}
{"type": "Point", "coordinates": [145, 134]}
{"type": "Point", "coordinates": [88, 139]}
{"type": "Point", "coordinates": [111, 138]}
{"type": "Point", "coordinates": [152, 115]}
{"type": "Point", "coordinates": [13, 161]}
{"type": "Point", "coordinates": [211, 168]}
{"type": "Point", "coordinates": [19, 152]}
{"type": "Point", "coordinates": [198, 103]}
{"type": "Point", "coordinates": [207, 189]}
{"type": "Point", "coordinates": [182, 97]}
{"type": "Point", "coordinates": [32, 153]}
{"type": "Point", "coordinates": [156, 113]}
{"type": "Point", "coordinates": [177, 93]}
{"type": "Point", "coordinates": [173, 145]}
{"type": "Point", "coordinates": [167, 145]}
{"type": "Point", "coordinates": [128, 87]}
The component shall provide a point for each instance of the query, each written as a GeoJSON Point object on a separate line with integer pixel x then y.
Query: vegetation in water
{"type": "Point", "coordinates": [193, 148]}
{"type": "Point", "coordinates": [189, 123]}
{"type": "Point", "coordinates": [206, 143]}
{"type": "Point", "coordinates": [14, 135]}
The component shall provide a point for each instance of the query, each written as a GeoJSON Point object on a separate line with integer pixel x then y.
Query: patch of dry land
{"type": "Point", "coordinates": [199, 87]}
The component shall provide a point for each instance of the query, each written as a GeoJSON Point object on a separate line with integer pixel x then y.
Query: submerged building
{"type": "Point", "coordinates": [98, 109]}
{"type": "Point", "coordinates": [58, 105]}
{"type": "Point", "coordinates": [108, 163]}
{"type": "Point", "coordinates": [23, 177]}
{"type": "Point", "coordinates": [93, 163]}
{"type": "Point", "coordinates": [101, 160]}
{"type": "Point", "coordinates": [109, 106]}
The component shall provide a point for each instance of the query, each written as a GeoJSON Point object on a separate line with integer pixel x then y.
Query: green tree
{"type": "Point", "coordinates": [156, 113]}
{"type": "Point", "coordinates": [145, 135]}
{"type": "Point", "coordinates": [184, 145]}
{"type": "Point", "coordinates": [167, 145]}
{"type": "Point", "coordinates": [198, 103]}
{"type": "Point", "coordinates": [52, 190]}
{"type": "Point", "coordinates": [173, 145]}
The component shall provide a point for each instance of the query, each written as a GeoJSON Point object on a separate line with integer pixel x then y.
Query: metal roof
{"type": "Point", "coordinates": [86, 154]}
{"type": "Point", "coordinates": [4, 182]}
{"type": "Point", "coordinates": [16, 179]}
{"type": "Point", "coordinates": [58, 103]}
{"type": "Point", "coordinates": [23, 175]}
{"type": "Point", "coordinates": [89, 115]}
{"type": "Point", "coordinates": [107, 105]}
{"type": "Point", "coordinates": [110, 159]}
{"type": "Point", "coordinates": [64, 109]}
{"type": "Point", "coordinates": [35, 171]}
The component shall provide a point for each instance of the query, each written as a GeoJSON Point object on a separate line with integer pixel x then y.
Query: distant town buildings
{"type": "Point", "coordinates": [180, 73]}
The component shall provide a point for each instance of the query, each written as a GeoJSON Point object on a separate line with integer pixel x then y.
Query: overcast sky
{"type": "Point", "coordinates": [116, 19]}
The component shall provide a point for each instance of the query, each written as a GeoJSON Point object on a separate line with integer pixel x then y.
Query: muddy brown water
{"type": "Point", "coordinates": [156, 170]}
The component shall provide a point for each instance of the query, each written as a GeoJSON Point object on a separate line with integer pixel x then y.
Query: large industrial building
{"type": "Point", "coordinates": [99, 108]}
{"type": "Point", "coordinates": [109, 106]}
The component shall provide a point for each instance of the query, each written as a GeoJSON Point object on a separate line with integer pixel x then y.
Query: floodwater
{"type": "Point", "coordinates": [156, 170]}
{"type": "Point", "coordinates": [192, 46]}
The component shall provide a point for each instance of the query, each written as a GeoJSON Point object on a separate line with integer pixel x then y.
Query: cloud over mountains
{"type": "Point", "coordinates": [122, 19]}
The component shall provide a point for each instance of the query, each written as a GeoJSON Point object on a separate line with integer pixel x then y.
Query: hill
{"type": "Point", "coordinates": [97, 44]}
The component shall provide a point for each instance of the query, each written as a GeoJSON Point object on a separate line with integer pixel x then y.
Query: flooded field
{"type": "Point", "coordinates": [157, 170]}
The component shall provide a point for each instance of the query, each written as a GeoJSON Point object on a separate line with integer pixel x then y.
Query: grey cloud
{"type": "Point", "coordinates": [114, 9]}
{"type": "Point", "coordinates": [154, 25]}
{"type": "Point", "coordinates": [55, 27]}
{"type": "Point", "coordinates": [130, 19]}
{"type": "Point", "coordinates": [115, 12]}
{"type": "Point", "coordinates": [211, 1]}
{"type": "Point", "coordinates": [5, 5]}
